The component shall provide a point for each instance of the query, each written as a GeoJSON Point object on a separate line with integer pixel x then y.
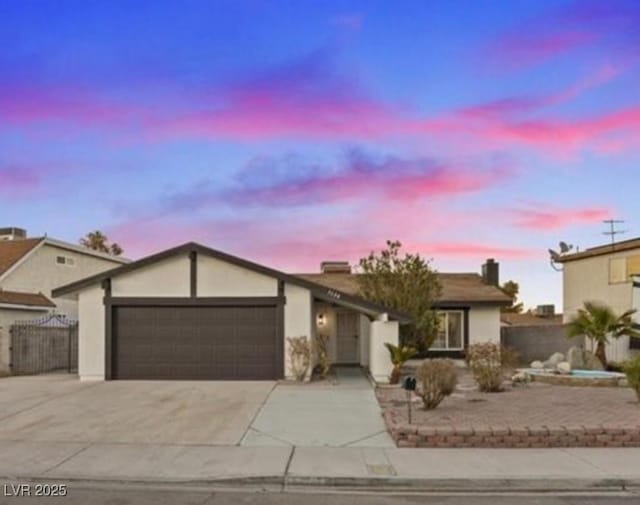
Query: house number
{"type": "Point", "coordinates": [333, 294]}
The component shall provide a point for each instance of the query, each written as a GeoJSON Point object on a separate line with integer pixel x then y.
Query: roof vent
{"type": "Point", "coordinates": [335, 267]}
{"type": "Point", "coordinates": [12, 233]}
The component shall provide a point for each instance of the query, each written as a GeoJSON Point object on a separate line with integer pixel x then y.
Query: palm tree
{"type": "Point", "coordinates": [399, 356]}
{"type": "Point", "coordinates": [98, 241]}
{"type": "Point", "coordinates": [599, 323]}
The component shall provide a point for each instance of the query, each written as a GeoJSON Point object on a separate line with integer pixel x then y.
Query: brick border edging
{"type": "Point", "coordinates": [411, 435]}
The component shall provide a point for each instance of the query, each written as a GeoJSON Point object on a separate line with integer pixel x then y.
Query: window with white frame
{"type": "Point", "coordinates": [450, 329]}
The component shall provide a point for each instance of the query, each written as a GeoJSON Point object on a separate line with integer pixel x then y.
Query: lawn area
{"type": "Point", "coordinates": [537, 415]}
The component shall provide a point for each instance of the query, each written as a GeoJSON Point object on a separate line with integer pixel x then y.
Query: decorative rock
{"type": "Point", "coordinates": [538, 365]}
{"type": "Point", "coordinates": [563, 368]}
{"type": "Point", "coordinates": [555, 358]}
{"type": "Point", "coordinates": [521, 378]}
{"type": "Point", "coordinates": [575, 357]}
{"type": "Point", "coordinates": [591, 362]}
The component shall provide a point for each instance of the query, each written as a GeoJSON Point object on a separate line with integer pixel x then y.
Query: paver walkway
{"type": "Point", "coordinates": [320, 414]}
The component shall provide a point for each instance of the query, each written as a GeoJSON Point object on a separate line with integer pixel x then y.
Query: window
{"type": "Point", "coordinates": [65, 260]}
{"type": "Point", "coordinates": [449, 331]}
{"type": "Point", "coordinates": [633, 265]}
{"type": "Point", "coordinates": [617, 270]}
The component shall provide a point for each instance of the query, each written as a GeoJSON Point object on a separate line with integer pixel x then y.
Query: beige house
{"type": "Point", "coordinates": [30, 268]}
{"type": "Point", "coordinates": [603, 274]}
{"type": "Point", "coordinates": [192, 312]}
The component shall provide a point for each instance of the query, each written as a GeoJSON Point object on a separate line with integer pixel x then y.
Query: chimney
{"type": "Point", "coordinates": [335, 267]}
{"type": "Point", "coordinates": [12, 233]}
{"type": "Point", "coordinates": [491, 272]}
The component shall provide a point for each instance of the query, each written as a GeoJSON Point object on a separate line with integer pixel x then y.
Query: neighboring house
{"type": "Point", "coordinates": [30, 268]}
{"type": "Point", "coordinates": [192, 312]}
{"type": "Point", "coordinates": [603, 274]}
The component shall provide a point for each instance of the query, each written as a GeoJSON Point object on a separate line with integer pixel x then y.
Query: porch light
{"type": "Point", "coordinates": [321, 319]}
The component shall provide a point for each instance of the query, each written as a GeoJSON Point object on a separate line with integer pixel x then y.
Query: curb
{"type": "Point", "coordinates": [362, 484]}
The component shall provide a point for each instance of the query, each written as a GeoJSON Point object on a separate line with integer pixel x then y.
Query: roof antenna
{"type": "Point", "coordinates": [612, 229]}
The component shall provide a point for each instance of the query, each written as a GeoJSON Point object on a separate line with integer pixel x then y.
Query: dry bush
{"type": "Point", "coordinates": [488, 363]}
{"type": "Point", "coordinates": [437, 378]}
{"type": "Point", "coordinates": [299, 353]}
{"type": "Point", "coordinates": [632, 370]}
{"type": "Point", "coordinates": [320, 347]}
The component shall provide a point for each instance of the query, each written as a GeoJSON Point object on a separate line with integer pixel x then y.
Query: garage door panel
{"type": "Point", "coordinates": [192, 343]}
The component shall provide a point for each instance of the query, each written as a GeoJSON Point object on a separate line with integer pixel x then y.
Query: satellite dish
{"type": "Point", "coordinates": [564, 247]}
{"type": "Point", "coordinates": [554, 257]}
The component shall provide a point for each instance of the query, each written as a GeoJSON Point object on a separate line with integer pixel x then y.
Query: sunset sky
{"type": "Point", "coordinates": [290, 132]}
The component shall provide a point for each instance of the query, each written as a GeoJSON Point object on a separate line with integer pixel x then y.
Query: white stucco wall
{"type": "Point", "coordinates": [217, 278]}
{"type": "Point", "coordinates": [91, 333]}
{"type": "Point", "coordinates": [40, 273]}
{"type": "Point", "coordinates": [365, 336]}
{"type": "Point", "coordinates": [379, 363]}
{"type": "Point", "coordinates": [484, 325]}
{"type": "Point", "coordinates": [298, 319]}
{"type": "Point", "coordinates": [170, 277]}
{"type": "Point", "coordinates": [588, 280]}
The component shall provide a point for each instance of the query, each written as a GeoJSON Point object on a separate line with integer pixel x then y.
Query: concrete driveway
{"type": "Point", "coordinates": [345, 414]}
{"type": "Point", "coordinates": [60, 408]}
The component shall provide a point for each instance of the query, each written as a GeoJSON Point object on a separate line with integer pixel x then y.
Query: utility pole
{"type": "Point", "coordinates": [612, 229]}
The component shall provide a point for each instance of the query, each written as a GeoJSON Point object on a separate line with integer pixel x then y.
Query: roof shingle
{"type": "Point", "coordinates": [456, 287]}
{"type": "Point", "coordinates": [28, 299]}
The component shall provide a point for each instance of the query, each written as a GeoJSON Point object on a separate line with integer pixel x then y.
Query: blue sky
{"type": "Point", "coordinates": [293, 132]}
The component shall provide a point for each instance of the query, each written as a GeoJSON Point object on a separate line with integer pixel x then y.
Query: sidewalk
{"type": "Point", "coordinates": [579, 469]}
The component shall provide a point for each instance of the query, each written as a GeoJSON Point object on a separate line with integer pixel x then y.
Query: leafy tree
{"type": "Point", "coordinates": [599, 323]}
{"type": "Point", "coordinates": [512, 289]}
{"type": "Point", "coordinates": [406, 283]}
{"type": "Point", "coordinates": [98, 241]}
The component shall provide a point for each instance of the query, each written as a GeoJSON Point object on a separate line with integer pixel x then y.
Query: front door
{"type": "Point", "coordinates": [347, 338]}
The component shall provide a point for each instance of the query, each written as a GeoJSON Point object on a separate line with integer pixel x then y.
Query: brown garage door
{"type": "Point", "coordinates": [194, 343]}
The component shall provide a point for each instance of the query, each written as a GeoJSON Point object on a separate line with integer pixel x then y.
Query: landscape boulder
{"type": "Point", "coordinates": [538, 365]}
{"type": "Point", "coordinates": [575, 357]}
{"type": "Point", "coordinates": [563, 368]}
{"type": "Point", "coordinates": [591, 361]}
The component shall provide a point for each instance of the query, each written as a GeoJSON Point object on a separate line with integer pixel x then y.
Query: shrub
{"type": "Point", "coordinates": [398, 355]}
{"type": "Point", "coordinates": [320, 344]}
{"type": "Point", "coordinates": [299, 353]}
{"type": "Point", "coordinates": [632, 371]}
{"type": "Point", "coordinates": [437, 378]}
{"type": "Point", "coordinates": [488, 362]}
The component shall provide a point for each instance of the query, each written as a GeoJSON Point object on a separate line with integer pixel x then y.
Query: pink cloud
{"type": "Point", "coordinates": [291, 181]}
{"type": "Point", "coordinates": [557, 218]}
{"type": "Point", "coordinates": [567, 28]}
{"type": "Point", "coordinates": [28, 104]}
{"type": "Point", "coordinates": [520, 50]}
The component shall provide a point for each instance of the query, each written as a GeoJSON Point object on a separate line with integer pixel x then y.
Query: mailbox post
{"type": "Point", "coordinates": [409, 385]}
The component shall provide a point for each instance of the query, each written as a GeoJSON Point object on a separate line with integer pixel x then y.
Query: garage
{"type": "Point", "coordinates": [195, 313]}
{"type": "Point", "coordinates": [195, 343]}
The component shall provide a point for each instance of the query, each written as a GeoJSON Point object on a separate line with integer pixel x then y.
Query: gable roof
{"type": "Point", "coordinates": [457, 288]}
{"type": "Point", "coordinates": [321, 291]}
{"type": "Point", "coordinates": [12, 251]}
{"type": "Point", "coordinates": [601, 250]}
{"type": "Point", "coordinates": [24, 299]}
